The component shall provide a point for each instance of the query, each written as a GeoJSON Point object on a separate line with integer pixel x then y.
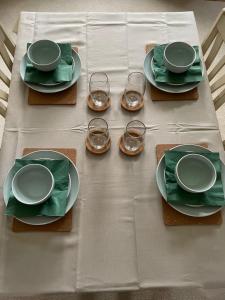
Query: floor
{"type": "Point", "coordinates": [205, 13]}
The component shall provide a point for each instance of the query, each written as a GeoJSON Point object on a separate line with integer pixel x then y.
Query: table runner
{"type": "Point", "coordinates": [118, 241]}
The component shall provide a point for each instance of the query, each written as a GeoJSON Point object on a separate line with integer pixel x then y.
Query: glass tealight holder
{"type": "Point", "coordinates": [98, 134]}
{"type": "Point", "coordinates": [135, 89]}
{"type": "Point", "coordinates": [133, 138]}
{"type": "Point", "coordinates": [99, 89]}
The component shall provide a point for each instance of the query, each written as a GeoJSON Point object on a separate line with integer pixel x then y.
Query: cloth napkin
{"type": "Point", "coordinates": [176, 195]}
{"type": "Point", "coordinates": [161, 74]}
{"type": "Point", "coordinates": [56, 204]}
{"type": "Point", "coordinates": [63, 72]}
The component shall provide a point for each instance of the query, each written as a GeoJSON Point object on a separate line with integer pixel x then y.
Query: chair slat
{"type": "Point", "coordinates": [218, 83]}
{"type": "Point", "coordinates": [3, 109]}
{"type": "Point", "coordinates": [212, 33]}
{"type": "Point", "coordinates": [214, 50]}
{"type": "Point", "coordinates": [4, 37]}
{"type": "Point", "coordinates": [219, 100]}
{"type": "Point", "coordinates": [216, 68]}
{"type": "Point", "coordinates": [3, 95]}
{"type": "Point", "coordinates": [208, 41]}
{"type": "Point", "coordinates": [5, 56]}
{"type": "Point", "coordinates": [4, 78]}
{"type": "Point", "coordinates": [221, 26]}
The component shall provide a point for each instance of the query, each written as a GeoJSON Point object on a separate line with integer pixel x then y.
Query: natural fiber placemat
{"type": "Point", "coordinates": [66, 97]}
{"type": "Point", "coordinates": [173, 217]}
{"type": "Point", "coordinates": [63, 224]}
{"type": "Point", "coordinates": [158, 95]}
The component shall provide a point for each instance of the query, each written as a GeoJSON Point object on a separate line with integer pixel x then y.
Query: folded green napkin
{"type": "Point", "coordinates": [56, 204]}
{"type": "Point", "coordinates": [176, 195]}
{"type": "Point", "coordinates": [63, 72]}
{"type": "Point", "coordinates": [161, 74]}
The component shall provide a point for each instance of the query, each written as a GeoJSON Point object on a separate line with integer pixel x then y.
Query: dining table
{"type": "Point", "coordinates": [119, 243]}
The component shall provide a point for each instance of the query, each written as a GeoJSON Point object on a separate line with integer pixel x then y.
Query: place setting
{"type": "Point", "coordinates": [173, 70]}
{"type": "Point", "coordinates": [191, 180]}
{"type": "Point", "coordinates": [50, 70]}
{"type": "Point", "coordinates": [40, 190]}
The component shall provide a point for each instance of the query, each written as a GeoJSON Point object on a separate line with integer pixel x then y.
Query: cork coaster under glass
{"type": "Point", "coordinates": [98, 108]}
{"type": "Point", "coordinates": [127, 107]}
{"type": "Point", "coordinates": [93, 150]}
{"type": "Point", "coordinates": [126, 151]}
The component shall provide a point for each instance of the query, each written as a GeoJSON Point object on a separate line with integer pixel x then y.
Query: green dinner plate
{"type": "Point", "coordinates": [163, 86]}
{"type": "Point", "coordinates": [72, 197]}
{"type": "Point", "coordinates": [193, 211]}
{"type": "Point", "coordinates": [53, 88]}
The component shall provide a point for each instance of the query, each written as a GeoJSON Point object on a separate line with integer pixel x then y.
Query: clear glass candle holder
{"type": "Point", "coordinates": [133, 138]}
{"type": "Point", "coordinates": [135, 89]}
{"type": "Point", "coordinates": [99, 89]}
{"type": "Point", "coordinates": [98, 133]}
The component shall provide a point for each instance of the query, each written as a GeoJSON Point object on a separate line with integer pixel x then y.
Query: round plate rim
{"type": "Point", "coordinates": [48, 219]}
{"type": "Point", "coordinates": [175, 89]}
{"type": "Point", "coordinates": [57, 88]}
{"type": "Point", "coordinates": [180, 208]}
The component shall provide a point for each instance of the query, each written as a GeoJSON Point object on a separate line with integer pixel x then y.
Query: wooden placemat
{"type": "Point", "coordinates": [158, 95]}
{"type": "Point", "coordinates": [66, 97]}
{"type": "Point", "coordinates": [62, 225]}
{"type": "Point", "coordinates": [171, 216]}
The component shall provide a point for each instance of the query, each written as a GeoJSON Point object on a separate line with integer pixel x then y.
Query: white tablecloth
{"type": "Point", "coordinates": [119, 241]}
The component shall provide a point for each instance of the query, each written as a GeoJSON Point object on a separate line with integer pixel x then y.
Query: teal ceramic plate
{"type": "Point", "coordinates": [72, 197]}
{"type": "Point", "coordinates": [53, 88]}
{"type": "Point", "coordinates": [163, 86]}
{"type": "Point", "coordinates": [196, 211]}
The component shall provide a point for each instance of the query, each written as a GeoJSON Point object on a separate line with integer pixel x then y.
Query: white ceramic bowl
{"type": "Point", "coordinates": [32, 184]}
{"type": "Point", "coordinates": [44, 55]}
{"type": "Point", "coordinates": [195, 173]}
{"type": "Point", "coordinates": [179, 57]}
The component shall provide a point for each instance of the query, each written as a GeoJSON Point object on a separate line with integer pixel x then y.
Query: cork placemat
{"type": "Point", "coordinates": [158, 95]}
{"type": "Point", "coordinates": [171, 216]}
{"type": "Point", "coordinates": [66, 97]}
{"type": "Point", "coordinates": [62, 225]}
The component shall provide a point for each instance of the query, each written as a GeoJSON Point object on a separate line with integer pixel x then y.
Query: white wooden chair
{"type": "Point", "coordinates": [7, 51]}
{"type": "Point", "coordinates": [214, 56]}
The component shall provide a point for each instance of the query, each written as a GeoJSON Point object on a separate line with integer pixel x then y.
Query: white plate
{"type": "Point", "coordinates": [196, 211]}
{"type": "Point", "coordinates": [52, 88]}
{"type": "Point", "coordinates": [163, 86]}
{"type": "Point", "coordinates": [75, 184]}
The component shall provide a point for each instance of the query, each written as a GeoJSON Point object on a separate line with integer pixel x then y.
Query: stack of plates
{"type": "Point", "coordinates": [53, 88]}
{"type": "Point", "coordinates": [73, 187]}
{"type": "Point", "coordinates": [169, 88]}
{"type": "Point", "coordinates": [193, 211]}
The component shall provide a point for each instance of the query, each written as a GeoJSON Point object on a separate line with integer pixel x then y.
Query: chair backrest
{"type": "Point", "coordinates": [212, 48]}
{"type": "Point", "coordinates": [7, 51]}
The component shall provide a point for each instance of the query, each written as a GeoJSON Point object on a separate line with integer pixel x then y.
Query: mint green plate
{"type": "Point", "coordinates": [53, 88]}
{"type": "Point", "coordinates": [193, 211]}
{"type": "Point", "coordinates": [163, 86]}
{"type": "Point", "coordinates": [74, 182]}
